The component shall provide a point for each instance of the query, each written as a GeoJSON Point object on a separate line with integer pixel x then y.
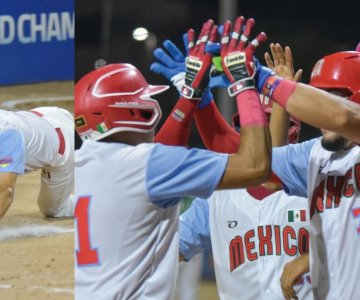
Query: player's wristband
{"type": "Point", "coordinates": [279, 89]}
{"type": "Point", "coordinates": [250, 110]}
{"type": "Point", "coordinates": [178, 80]}
{"type": "Point", "coordinates": [239, 86]}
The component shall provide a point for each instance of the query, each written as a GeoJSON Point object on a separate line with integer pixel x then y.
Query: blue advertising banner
{"type": "Point", "coordinates": [36, 41]}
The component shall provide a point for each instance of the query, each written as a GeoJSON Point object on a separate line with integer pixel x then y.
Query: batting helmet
{"type": "Point", "coordinates": [115, 98]}
{"type": "Point", "coordinates": [267, 103]}
{"type": "Point", "coordinates": [339, 71]}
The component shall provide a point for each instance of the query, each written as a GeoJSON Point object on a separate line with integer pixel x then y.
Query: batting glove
{"type": "Point", "coordinates": [171, 64]}
{"type": "Point", "coordinates": [198, 61]}
{"type": "Point", "coordinates": [237, 55]}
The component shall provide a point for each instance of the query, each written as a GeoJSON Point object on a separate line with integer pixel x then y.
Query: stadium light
{"type": "Point", "coordinates": [140, 34]}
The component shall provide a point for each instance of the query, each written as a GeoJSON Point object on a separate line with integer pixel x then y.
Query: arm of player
{"type": "Point", "coordinates": [218, 136]}
{"type": "Point", "coordinates": [292, 272]}
{"type": "Point", "coordinates": [194, 230]}
{"type": "Point", "coordinates": [250, 166]}
{"type": "Point", "coordinates": [311, 105]}
{"type": "Point", "coordinates": [7, 187]}
{"type": "Point", "coordinates": [175, 172]}
{"type": "Point", "coordinates": [176, 129]}
{"type": "Point", "coordinates": [215, 132]}
{"type": "Point", "coordinates": [197, 65]}
{"type": "Point", "coordinates": [281, 63]}
{"type": "Point", "coordinates": [317, 108]}
{"type": "Point", "coordinates": [171, 63]}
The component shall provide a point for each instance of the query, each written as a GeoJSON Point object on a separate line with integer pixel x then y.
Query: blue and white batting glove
{"type": "Point", "coordinates": [171, 64]}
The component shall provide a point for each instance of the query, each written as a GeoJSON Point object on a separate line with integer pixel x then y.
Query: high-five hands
{"type": "Point", "coordinates": [237, 55]}
{"type": "Point", "coordinates": [198, 62]}
{"type": "Point", "coordinates": [281, 62]}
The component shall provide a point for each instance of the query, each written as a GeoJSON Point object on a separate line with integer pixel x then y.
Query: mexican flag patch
{"type": "Point", "coordinates": [178, 115]}
{"type": "Point", "coordinates": [101, 127]}
{"type": "Point", "coordinates": [297, 215]}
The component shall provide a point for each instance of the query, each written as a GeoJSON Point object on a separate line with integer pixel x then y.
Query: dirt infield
{"type": "Point", "coordinates": [36, 262]}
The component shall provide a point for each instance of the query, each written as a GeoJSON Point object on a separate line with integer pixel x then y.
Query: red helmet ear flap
{"type": "Point", "coordinates": [115, 98]}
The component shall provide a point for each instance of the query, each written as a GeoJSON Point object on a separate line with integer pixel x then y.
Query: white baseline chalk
{"type": "Point", "coordinates": [31, 230]}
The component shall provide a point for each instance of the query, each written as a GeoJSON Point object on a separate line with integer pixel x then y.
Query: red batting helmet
{"type": "Point", "coordinates": [267, 103]}
{"type": "Point", "coordinates": [115, 98]}
{"type": "Point", "coordinates": [339, 71]}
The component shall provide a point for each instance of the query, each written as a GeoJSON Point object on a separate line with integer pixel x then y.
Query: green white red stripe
{"type": "Point", "coordinates": [297, 215]}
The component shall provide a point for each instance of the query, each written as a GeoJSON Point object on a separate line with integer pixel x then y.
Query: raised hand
{"type": "Point", "coordinates": [282, 62]}
{"type": "Point", "coordinates": [170, 60]}
{"type": "Point", "coordinates": [198, 61]}
{"type": "Point", "coordinates": [238, 54]}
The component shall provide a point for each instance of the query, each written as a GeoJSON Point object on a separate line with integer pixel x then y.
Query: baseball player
{"type": "Point", "coordinates": [324, 170]}
{"type": "Point", "coordinates": [244, 227]}
{"type": "Point", "coordinates": [42, 138]}
{"type": "Point", "coordinates": [328, 174]}
{"type": "Point", "coordinates": [126, 217]}
{"type": "Point", "coordinates": [251, 240]}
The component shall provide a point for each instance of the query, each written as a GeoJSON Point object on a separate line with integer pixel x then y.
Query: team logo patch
{"type": "Point", "coordinates": [296, 216]}
{"type": "Point", "coordinates": [80, 121]}
{"type": "Point", "coordinates": [4, 162]}
{"type": "Point", "coordinates": [101, 127]}
{"type": "Point", "coordinates": [178, 115]}
{"type": "Point", "coordinates": [236, 58]}
{"type": "Point", "coordinates": [193, 63]}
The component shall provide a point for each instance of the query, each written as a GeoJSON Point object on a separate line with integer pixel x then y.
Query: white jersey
{"type": "Point", "coordinates": [332, 183]}
{"type": "Point", "coordinates": [251, 241]}
{"type": "Point", "coordinates": [127, 216]}
{"type": "Point", "coordinates": [41, 137]}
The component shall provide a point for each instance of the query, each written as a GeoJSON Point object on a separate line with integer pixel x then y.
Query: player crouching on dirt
{"type": "Point", "coordinates": [42, 138]}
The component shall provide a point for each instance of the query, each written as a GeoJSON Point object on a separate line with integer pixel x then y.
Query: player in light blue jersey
{"type": "Point", "coordinates": [128, 187]}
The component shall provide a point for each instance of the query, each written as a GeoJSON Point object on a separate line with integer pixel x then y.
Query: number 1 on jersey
{"type": "Point", "coordinates": [85, 255]}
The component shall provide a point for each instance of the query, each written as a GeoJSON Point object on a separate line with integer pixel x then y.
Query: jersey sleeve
{"type": "Point", "coordinates": [290, 163]}
{"type": "Point", "coordinates": [174, 172]}
{"type": "Point", "coordinates": [194, 229]}
{"type": "Point", "coordinates": [12, 152]}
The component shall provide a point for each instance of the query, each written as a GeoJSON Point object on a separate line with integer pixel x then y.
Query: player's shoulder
{"type": "Point", "coordinates": [111, 151]}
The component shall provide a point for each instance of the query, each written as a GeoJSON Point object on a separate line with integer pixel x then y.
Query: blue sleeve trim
{"type": "Point", "coordinates": [194, 229]}
{"type": "Point", "coordinates": [12, 152]}
{"type": "Point", "coordinates": [174, 172]}
{"type": "Point", "coordinates": [290, 163]}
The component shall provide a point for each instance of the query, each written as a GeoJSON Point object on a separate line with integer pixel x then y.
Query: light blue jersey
{"type": "Point", "coordinates": [12, 151]}
{"type": "Point", "coordinates": [331, 182]}
{"type": "Point", "coordinates": [291, 165]}
{"type": "Point", "coordinates": [127, 215]}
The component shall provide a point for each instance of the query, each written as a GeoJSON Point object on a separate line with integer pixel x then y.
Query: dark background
{"type": "Point", "coordinates": [311, 28]}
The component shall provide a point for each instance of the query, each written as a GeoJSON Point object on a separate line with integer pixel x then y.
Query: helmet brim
{"type": "Point", "coordinates": [151, 90]}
